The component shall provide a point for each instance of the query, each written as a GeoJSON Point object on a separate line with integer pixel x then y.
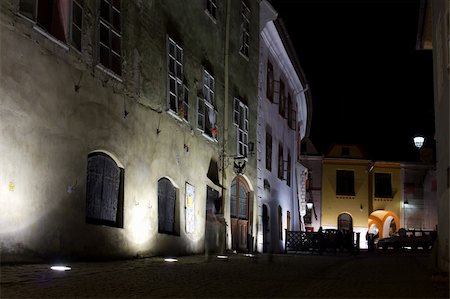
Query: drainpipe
{"type": "Point", "coordinates": [225, 112]}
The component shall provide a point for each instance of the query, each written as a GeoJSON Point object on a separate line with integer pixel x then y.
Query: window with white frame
{"type": "Point", "coordinates": [60, 19]}
{"type": "Point", "coordinates": [178, 94]}
{"type": "Point", "coordinates": [240, 119]}
{"type": "Point", "coordinates": [206, 113]}
{"type": "Point", "coordinates": [110, 37]}
{"type": "Point", "coordinates": [245, 29]}
{"type": "Point", "coordinates": [211, 8]}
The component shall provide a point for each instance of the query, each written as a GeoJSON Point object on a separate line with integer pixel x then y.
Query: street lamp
{"type": "Point", "coordinates": [418, 141]}
{"type": "Point", "coordinates": [309, 204]}
{"type": "Point", "coordinates": [405, 204]}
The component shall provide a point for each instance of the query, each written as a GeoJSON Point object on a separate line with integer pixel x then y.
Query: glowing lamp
{"type": "Point", "coordinates": [170, 260]}
{"type": "Point", "coordinates": [418, 141]}
{"type": "Point", "coordinates": [309, 204]}
{"type": "Point", "coordinates": [222, 257]}
{"type": "Point", "coordinates": [60, 268]}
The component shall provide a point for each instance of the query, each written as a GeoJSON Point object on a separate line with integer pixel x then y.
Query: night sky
{"type": "Point", "coordinates": [369, 84]}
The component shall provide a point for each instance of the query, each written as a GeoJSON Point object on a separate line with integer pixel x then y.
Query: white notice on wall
{"type": "Point", "coordinates": [190, 210]}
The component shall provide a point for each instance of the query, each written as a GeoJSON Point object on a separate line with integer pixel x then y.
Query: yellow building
{"type": "Point", "coordinates": [360, 195]}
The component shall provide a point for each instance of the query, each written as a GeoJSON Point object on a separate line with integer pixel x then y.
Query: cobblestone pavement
{"type": "Point", "coordinates": [368, 275]}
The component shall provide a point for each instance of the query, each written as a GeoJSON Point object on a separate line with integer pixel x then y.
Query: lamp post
{"type": "Point", "coordinates": [405, 204]}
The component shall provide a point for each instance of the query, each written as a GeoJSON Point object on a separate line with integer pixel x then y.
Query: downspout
{"type": "Point", "coordinates": [225, 114]}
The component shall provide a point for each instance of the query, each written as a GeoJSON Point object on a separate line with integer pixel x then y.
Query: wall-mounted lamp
{"type": "Point", "coordinates": [309, 204]}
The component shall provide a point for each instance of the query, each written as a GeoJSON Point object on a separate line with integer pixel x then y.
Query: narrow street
{"type": "Point", "coordinates": [375, 275]}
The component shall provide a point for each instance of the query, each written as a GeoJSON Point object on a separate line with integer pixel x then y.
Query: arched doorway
{"type": "Point", "coordinates": [240, 215]}
{"type": "Point", "coordinates": [345, 222]}
{"type": "Point", "coordinates": [265, 228]}
{"type": "Point", "coordinates": [386, 221]}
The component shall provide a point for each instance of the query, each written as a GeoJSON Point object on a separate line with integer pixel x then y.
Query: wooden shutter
{"type": "Point", "coordinates": [166, 206]}
{"type": "Point", "coordinates": [94, 186]}
{"type": "Point", "coordinates": [110, 194]}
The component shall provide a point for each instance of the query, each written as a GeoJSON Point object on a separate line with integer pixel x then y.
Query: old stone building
{"type": "Point", "coordinates": [127, 127]}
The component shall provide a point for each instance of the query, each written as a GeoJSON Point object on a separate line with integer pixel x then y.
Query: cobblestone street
{"type": "Point", "coordinates": [375, 275]}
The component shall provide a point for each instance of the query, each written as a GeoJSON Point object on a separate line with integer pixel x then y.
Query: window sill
{"type": "Point", "coordinates": [50, 37]}
{"type": "Point", "coordinates": [108, 72]}
{"type": "Point", "coordinates": [176, 116]}
{"type": "Point", "coordinates": [207, 136]}
{"type": "Point", "coordinates": [345, 196]}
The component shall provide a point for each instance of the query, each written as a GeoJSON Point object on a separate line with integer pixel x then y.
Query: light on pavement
{"type": "Point", "coordinates": [60, 268]}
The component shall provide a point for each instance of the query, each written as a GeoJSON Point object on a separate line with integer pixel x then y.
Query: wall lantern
{"type": "Point", "coordinates": [309, 204]}
{"type": "Point", "coordinates": [418, 141]}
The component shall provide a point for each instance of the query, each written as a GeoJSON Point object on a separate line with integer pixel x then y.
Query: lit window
{"type": "Point", "coordinates": [104, 191]}
{"type": "Point", "coordinates": [383, 185]}
{"type": "Point", "coordinates": [53, 16]}
{"type": "Point", "coordinates": [345, 182]}
{"type": "Point", "coordinates": [211, 8]}
{"type": "Point", "coordinates": [110, 38]}
{"type": "Point", "coordinates": [178, 94]}
{"type": "Point", "coordinates": [206, 113]}
{"type": "Point", "coordinates": [240, 119]}
{"type": "Point", "coordinates": [166, 207]}
{"type": "Point", "coordinates": [245, 29]}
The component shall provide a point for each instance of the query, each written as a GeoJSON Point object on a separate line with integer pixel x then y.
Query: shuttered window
{"type": "Point", "coordinates": [104, 191]}
{"type": "Point", "coordinates": [166, 206]}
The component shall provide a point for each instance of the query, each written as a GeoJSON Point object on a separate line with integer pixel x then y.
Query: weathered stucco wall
{"type": "Point", "coordinates": [48, 127]}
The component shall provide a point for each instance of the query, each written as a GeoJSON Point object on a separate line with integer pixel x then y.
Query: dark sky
{"type": "Point", "coordinates": [369, 84]}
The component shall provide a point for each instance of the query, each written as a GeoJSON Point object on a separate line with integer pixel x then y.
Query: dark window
{"type": "Point", "coordinates": [104, 191]}
{"type": "Point", "coordinates": [280, 223]}
{"type": "Point", "coordinates": [50, 15]}
{"type": "Point", "coordinates": [270, 81]}
{"type": "Point", "coordinates": [345, 182]}
{"type": "Point", "coordinates": [110, 38]}
{"type": "Point", "coordinates": [288, 169]}
{"type": "Point", "coordinates": [345, 151]}
{"type": "Point", "coordinates": [282, 105]}
{"type": "Point", "coordinates": [211, 8]}
{"type": "Point", "coordinates": [239, 200]}
{"type": "Point", "coordinates": [383, 185]}
{"type": "Point", "coordinates": [280, 161]}
{"type": "Point", "coordinates": [268, 151]}
{"type": "Point", "coordinates": [166, 206]}
{"type": "Point", "coordinates": [292, 113]}
{"type": "Point", "coordinates": [303, 147]}
{"type": "Point", "coordinates": [288, 220]}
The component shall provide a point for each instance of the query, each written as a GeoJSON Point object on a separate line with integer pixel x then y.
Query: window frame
{"type": "Point", "coordinates": [111, 31]}
{"type": "Point", "coordinates": [244, 48]}
{"type": "Point", "coordinates": [180, 87]}
{"type": "Point", "coordinates": [280, 223]}
{"type": "Point", "coordinates": [238, 182]}
{"type": "Point", "coordinates": [288, 168]}
{"type": "Point", "coordinates": [383, 178]}
{"type": "Point", "coordinates": [209, 6]}
{"type": "Point", "coordinates": [270, 81]}
{"type": "Point", "coordinates": [344, 185]}
{"type": "Point", "coordinates": [242, 127]}
{"type": "Point", "coordinates": [79, 3]}
{"type": "Point", "coordinates": [282, 99]}
{"type": "Point", "coordinates": [269, 146]}
{"type": "Point", "coordinates": [208, 104]}
{"type": "Point", "coordinates": [280, 161]}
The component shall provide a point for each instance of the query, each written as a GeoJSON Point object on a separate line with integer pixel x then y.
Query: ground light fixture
{"type": "Point", "coordinates": [249, 255]}
{"type": "Point", "coordinates": [60, 268]}
{"type": "Point", "coordinates": [222, 257]}
{"type": "Point", "coordinates": [170, 260]}
{"type": "Point", "coordinates": [418, 141]}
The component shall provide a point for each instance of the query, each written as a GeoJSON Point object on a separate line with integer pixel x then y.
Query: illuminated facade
{"type": "Point", "coordinates": [374, 196]}
{"type": "Point", "coordinates": [282, 119]}
{"type": "Point", "coordinates": [120, 122]}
